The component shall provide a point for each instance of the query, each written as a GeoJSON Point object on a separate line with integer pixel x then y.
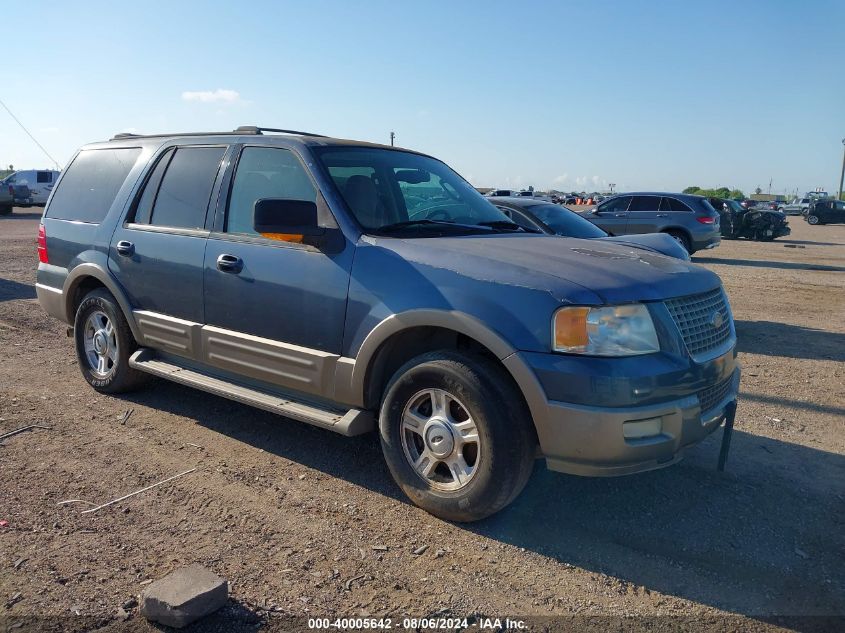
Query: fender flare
{"type": "Point", "coordinates": [88, 269]}
{"type": "Point", "coordinates": [394, 324]}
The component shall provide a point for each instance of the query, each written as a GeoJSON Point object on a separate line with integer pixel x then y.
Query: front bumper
{"type": "Point", "coordinates": [590, 440]}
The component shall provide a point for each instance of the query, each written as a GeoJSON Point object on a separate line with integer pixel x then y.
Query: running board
{"type": "Point", "coordinates": [353, 422]}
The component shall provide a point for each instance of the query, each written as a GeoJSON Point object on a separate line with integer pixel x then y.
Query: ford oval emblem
{"type": "Point", "coordinates": [716, 320]}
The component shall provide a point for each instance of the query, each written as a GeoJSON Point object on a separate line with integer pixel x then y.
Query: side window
{"type": "Point", "coordinates": [183, 195]}
{"type": "Point", "coordinates": [615, 205]}
{"type": "Point", "coordinates": [645, 203]}
{"type": "Point", "coordinates": [91, 183]}
{"type": "Point", "coordinates": [43, 177]}
{"type": "Point", "coordinates": [144, 209]}
{"type": "Point", "coordinates": [518, 218]}
{"type": "Point", "coordinates": [265, 172]}
{"type": "Point", "coordinates": [676, 205]}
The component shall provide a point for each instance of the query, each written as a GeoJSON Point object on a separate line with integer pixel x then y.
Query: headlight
{"type": "Point", "coordinates": [607, 331]}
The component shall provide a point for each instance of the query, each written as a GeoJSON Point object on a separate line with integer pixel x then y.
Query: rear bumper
{"type": "Point", "coordinates": [709, 240]}
{"type": "Point", "coordinates": [52, 300]}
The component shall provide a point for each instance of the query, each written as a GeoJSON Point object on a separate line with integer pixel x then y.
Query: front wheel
{"type": "Point", "coordinates": [456, 435]}
{"type": "Point", "coordinates": [104, 343]}
{"type": "Point", "coordinates": [6, 210]}
{"type": "Point", "coordinates": [812, 219]}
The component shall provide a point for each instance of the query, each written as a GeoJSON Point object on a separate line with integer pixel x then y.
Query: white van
{"type": "Point", "coordinates": [39, 181]}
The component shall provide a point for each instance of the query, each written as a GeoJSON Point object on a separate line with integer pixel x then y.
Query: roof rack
{"type": "Point", "coordinates": [244, 129]}
{"type": "Point", "coordinates": [252, 129]}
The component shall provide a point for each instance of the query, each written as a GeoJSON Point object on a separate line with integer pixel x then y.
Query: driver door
{"type": "Point", "coordinates": [612, 216]}
{"type": "Point", "coordinates": [274, 306]}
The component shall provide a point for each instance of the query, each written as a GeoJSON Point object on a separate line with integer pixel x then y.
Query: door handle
{"type": "Point", "coordinates": [620, 215]}
{"type": "Point", "coordinates": [662, 215]}
{"type": "Point", "coordinates": [127, 249]}
{"type": "Point", "coordinates": [230, 264]}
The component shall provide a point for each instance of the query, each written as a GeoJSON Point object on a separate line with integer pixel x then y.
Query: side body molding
{"type": "Point", "coordinates": [351, 377]}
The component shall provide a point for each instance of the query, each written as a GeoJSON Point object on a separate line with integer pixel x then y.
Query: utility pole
{"type": "Point", "coordinates": [611, 185]}
{"type": "Point", "coordinates": [392, 136]}
{"type": "Point", "coordinates": [842, 175]}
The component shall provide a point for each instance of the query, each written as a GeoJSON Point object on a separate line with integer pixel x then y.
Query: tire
{"type": "Point", "coordinates": [682, 239]}
{"type": "Point", "coordinates": [104, 344]}
{"type": "Point", "coordinates": [6, 210]}
{"type": "Point", "coordinates": [478, 397]}
{"type": "Point", "coordinates": [813, 219]}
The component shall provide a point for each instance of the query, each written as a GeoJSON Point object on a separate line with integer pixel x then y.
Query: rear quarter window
{"type": "Point", "coordinates": [89, 186]}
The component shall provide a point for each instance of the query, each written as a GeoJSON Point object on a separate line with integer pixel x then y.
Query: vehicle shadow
{"type": "Point", "coordinates": [759, 263]}
{"type": "Point", "coordinates": [809, 242]}
{"type": "Point", "coordinates": [791, 341]}
{"type": "Point", "coordinates": [11, 290]}
{"type": "Point", "coordinates": [719, 539]}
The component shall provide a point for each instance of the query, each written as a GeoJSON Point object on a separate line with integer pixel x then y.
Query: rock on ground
{"type": "Point", "coordinates": [184, 596]}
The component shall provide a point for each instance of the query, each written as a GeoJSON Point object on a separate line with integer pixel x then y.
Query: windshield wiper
{"type": "Point", "coordinates": [398, 226]}
{"type": "Point", "coordinates": [506, 225]}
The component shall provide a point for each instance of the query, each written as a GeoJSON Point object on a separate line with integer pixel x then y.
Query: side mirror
{"type": "Point", "coordinates": [275, 216]}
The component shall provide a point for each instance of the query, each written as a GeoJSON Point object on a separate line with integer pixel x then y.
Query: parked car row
{"type": "Point", "coordinates": [32, 187]}
{"type": "Point", "coordinates": [553, 219]}
{"type": "Point", "coordinates": [359, 287]}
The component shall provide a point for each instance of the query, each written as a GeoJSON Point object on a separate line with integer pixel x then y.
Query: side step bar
{"type": "Point", "coordinates": [353, 422]}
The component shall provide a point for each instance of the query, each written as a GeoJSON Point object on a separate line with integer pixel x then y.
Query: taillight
{"type": "Point", "coordinates": [42, 245]}
{"type": "Point", "coordinates": [706, 220]}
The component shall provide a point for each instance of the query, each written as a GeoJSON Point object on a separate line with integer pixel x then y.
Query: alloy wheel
{"type": "Point", "coordinates": [440, 439]}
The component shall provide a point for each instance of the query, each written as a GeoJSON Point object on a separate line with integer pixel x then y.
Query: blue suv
{"type": "Point", "coordinates": [359, 287]}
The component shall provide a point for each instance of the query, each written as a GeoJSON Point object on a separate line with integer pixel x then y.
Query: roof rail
{"type": "Point", "coordinates": [253, 129]}
{"type": "Point", "coordinates": [244, 129]}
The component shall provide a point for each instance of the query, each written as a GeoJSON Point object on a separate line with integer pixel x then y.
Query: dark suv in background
{"type": "Point", "coordinates": [691, 220]}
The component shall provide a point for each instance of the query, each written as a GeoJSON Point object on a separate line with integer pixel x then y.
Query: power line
{"type": "Point", "coordinates": [55, 162]}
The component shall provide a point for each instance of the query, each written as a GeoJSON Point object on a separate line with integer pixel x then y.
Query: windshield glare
{"type": "Point", "coordinates": [565, 222]}
{"type": "Point", "coordinates": [384, 187]}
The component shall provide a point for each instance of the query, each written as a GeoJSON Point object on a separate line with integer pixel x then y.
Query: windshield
{"type": "Point", "coordinates": [388, 190]}
{"type": "Point", "coordinates": [565, 222]}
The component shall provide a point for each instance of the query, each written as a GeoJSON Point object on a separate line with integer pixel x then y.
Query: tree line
{"type": "Point", "coordinates": [721, 192]}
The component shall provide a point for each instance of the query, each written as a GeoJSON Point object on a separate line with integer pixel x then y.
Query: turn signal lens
{"type": "Point", "coordinates": [571, 328]}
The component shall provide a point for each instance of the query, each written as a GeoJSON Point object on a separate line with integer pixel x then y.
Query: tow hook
{"type": "Point", "coordinates": [70, 332]}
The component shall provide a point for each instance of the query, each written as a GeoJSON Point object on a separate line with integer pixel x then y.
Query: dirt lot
{"type": "Point", "coordinates": [304, 522]}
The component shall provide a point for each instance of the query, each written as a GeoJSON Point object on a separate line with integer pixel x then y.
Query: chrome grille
{"type": "Point", "coordinates": [710, 397]}
{"type": "Point", "coordinates": [695, 315]}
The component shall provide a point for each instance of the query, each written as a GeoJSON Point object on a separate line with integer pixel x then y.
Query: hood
{"type": "Point", "coordinates": [615, 272]}
{"type": "Point", "coordinates": [657, 242]}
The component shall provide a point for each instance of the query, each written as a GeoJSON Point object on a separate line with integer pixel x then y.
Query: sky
{"type": "Point", "coordinates": [566, 95]}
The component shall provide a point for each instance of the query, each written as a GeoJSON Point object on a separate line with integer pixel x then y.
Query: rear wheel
{"type": "Point", "coordinates": [682, 239]}
{"type": "Point", "coordinates": [456, 435]}
{"type": "Point", "coordinates": [6, 210]}
{"type": "Point", "coordinates": [104, 344]}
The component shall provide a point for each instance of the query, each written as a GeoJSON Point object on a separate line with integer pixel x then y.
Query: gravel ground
{"type": "Point", "coordinates": [307, 523]}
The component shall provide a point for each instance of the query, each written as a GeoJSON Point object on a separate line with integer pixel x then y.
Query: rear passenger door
{"type": "Point", "coordinates": [644, 214]}
{"type": "Point", "coordinates": [275, 306]}
{"type": "Point", "coordinates": [157, 253]}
